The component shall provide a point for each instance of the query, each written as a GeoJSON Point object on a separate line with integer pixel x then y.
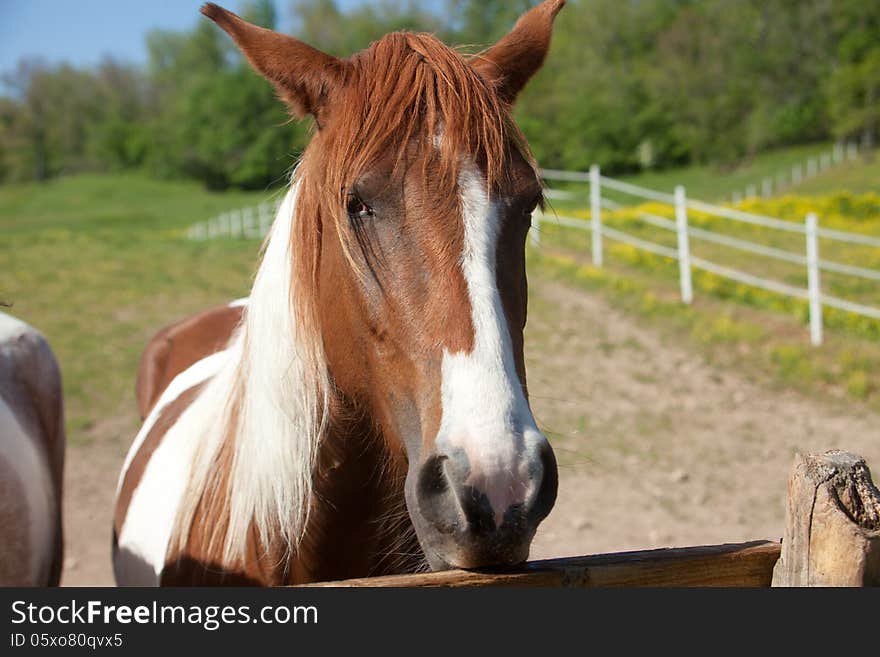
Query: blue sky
{"type": "Point", "coordinates": [83, 31]}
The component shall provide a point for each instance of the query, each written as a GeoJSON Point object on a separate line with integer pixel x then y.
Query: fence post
{"type": "Point", "coordinates": [596, 214]}
{"type": "Point", "coordinates": [813, 280]}
{"type": "Point", "coordinates": [852, 151]}
{"type": "Point", "coordinates": [684, 251]}
{"type": "Point", "coordinates": [264, 219]}
{"type": "Point", "coordinates": [248, 223]}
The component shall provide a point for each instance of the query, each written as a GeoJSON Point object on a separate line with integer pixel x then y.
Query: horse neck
{"type": "Point", "coordinates": [358, 522]}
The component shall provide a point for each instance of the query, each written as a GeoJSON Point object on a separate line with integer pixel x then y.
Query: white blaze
{"type": "Point", "coordinates": [485, 412]}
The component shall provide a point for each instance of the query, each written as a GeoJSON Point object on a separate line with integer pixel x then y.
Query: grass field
{"type": "Point", "coordinates": [98, 264]}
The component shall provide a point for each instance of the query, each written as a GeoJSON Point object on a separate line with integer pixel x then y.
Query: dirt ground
{"type": "Point", "coordinates": [656, 447]}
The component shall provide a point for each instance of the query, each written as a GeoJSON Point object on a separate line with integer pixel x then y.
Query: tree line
{"type": "Point", "coordinates": [630, 84]}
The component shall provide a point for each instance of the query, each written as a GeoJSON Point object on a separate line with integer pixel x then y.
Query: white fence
{"type": "Point", "coordinates": [250, 223]}
{"type": "Point", "coordinates": [810, 258]}
{"type": "Point", "coordinates": [800, 172]}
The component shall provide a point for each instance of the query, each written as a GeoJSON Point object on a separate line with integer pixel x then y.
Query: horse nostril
{"type": "Point", "coordinates": [433, 493]}
{"type": "Point", "coordinates": [477, 510]}
{"type": "Point", "coordinates": [448, 503]}
{"type": "Point", "coordinates": [545, 497]}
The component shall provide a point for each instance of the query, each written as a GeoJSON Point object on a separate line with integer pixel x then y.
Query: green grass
{"type": "Point", "coordinates": [859, 177]}
{"type": "Point", "coordinates": [97, 264]}
{"type": "Point", "coordinates": [713, 183]}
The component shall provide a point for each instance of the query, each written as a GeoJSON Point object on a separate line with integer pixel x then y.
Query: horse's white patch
{"type": "Point", "coordinates": [11, 327]}
{"type": "Point", "coordinates": [485, 412]}
{"type": "Point", "coordinates": [149, 521]}
{"type": "Point", "coordinates": [20, 450]}
{"type": "Point", "coordinates": [239, 303]}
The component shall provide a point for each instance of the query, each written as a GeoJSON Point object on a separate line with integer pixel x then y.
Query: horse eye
{"type": "Point", "coordinates": [356, 208]}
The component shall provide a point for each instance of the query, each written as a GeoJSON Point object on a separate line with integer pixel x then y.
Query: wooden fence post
{"type": "Point", "coordinates": [684, 250]}
{"type": "Point", "coordinates": [815, 292]}
{"type": "Point", "coordinates": [832, 530]}
{"type": "Point", "coordinates": [596, 213]}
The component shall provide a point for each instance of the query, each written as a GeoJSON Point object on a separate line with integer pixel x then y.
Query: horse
{"type": "Point", "coordinates": [32, 445]}
{"type": "Point", "coordinates": [369, 414]}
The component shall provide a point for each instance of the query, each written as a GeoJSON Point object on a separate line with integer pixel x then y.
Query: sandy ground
{"type": "Point", "coordinates": [656, 447]}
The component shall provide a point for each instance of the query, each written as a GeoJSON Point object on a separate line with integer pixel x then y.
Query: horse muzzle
{"type": "Point", "coordinates": [475, 512]}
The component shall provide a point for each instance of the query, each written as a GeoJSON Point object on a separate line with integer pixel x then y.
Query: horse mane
{"type": "Point", "coordinates": [254, 462]}
{"type": "Point", "coordinates": [408, 96]}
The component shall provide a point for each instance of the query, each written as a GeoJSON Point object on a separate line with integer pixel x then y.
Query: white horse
{"type": "Point", "coordinates": [32, 444]}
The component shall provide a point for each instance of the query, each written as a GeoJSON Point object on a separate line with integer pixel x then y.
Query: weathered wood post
{"type": "Point", "coordinates": [832, 530]}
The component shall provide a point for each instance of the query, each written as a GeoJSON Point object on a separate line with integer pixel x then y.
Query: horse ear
{"type": "Point", "coordinates": [512, 61]}
{"type": "Point", "coordinates": [304, 77]}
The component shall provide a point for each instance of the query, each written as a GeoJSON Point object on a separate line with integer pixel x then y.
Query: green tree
{"type": "Point", "coordinates": [854, 83]}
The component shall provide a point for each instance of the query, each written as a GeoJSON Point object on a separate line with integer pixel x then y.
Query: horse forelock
{"type": "Point", "coordinates": [410, 98]}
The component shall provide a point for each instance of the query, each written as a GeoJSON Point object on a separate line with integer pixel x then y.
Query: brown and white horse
{"type": "Point", "coordinates": [32, 445]}
{"type": "Point", "coordinates": [370, 414]}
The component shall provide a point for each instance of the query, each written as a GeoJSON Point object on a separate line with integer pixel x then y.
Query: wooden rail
{"type": "Point", "coordinates": [740, 565]}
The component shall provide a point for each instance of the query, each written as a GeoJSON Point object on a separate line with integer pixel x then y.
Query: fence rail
{"type": "Point", "coordinates": [252, 222]}
{"type": "Point", "coordinates": [678, 201]}
{"type": "Point", "coordinates": [740, 565]}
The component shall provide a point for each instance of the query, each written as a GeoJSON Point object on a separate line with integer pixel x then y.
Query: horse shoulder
{"type": "Point", "coordinates": [155, 474]}
{"type": "Point", "coordinates": [178, 346]}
